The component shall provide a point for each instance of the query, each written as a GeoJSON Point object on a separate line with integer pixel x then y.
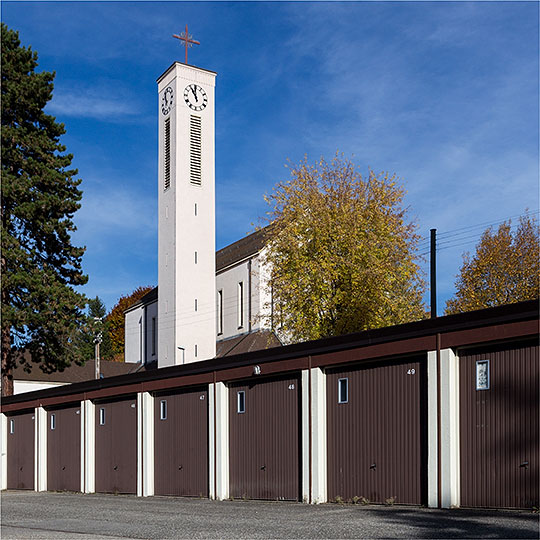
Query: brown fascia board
{"type": "Point", "coordinates": [463, 329]}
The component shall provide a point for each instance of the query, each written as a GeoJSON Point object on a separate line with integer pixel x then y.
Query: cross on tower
{"type": "Point", "coordinates": [186, 38]}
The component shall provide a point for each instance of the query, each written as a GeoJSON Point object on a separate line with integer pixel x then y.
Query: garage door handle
{"type": "Point", "coordinates": [115, 467]}
{"type": "Point", "coordinates": [525, 465]}
{"type": "Point", "coordinates": [63, 468]}
{"type": "Point", "coordinates": [181, 467]}
{"type": "Point", "coordinates": [263, 468]}
{"type": "Point", "coordinates": [373, 466]}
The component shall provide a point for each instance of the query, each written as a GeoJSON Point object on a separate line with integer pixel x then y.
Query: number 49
{"type": "Point", "coordinates": [411, 371]}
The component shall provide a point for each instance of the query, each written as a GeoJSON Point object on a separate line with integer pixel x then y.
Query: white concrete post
{"type": "Point", "coordinates": [218, 437]}
{"type": "Point", "coordinates": [318, 437]}
{"type": "Point", "coordinates": [40, 449]}
{"type": "Point", "coordinates": [145, 444]}
{"type": "Point", "coordinates": [3, 450]}
{"type": "Point", "coordinates": [88, 446]}
{"type": "Point", "coordinates": [449, 434]}
{"type": "Point", "coordinates": [450, 482]}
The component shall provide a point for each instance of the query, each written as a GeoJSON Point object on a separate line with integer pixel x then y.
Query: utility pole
{"type": "Point", "coordinates": [97, 342]}
{"type": "Point", "coordinates": [433, 273]}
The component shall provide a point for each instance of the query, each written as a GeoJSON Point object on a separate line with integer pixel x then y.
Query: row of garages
{"type": "Point", "coordinates": [378, 442]}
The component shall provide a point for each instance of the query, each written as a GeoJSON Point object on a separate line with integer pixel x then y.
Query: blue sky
{"type": "Point", "coordinates": [444, 94]}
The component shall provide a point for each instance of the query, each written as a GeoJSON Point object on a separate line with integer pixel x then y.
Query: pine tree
{"type": "Point", "coordinates": [40, 310]}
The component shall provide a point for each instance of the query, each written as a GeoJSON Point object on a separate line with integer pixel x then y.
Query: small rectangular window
{"type": "Point", "coordinates": [195, 304]}
{"type": "Point", "coordinates": [482, 375]}
{"type": "Point", "coordinates": [220, 312]}
{"type": "Point", "coordinates": [163, 409]}
{"type": "Point", "coordinates": [343, 390]}
{"type": "Point", "coordinates": [153, 336]}
{"type": "Point", "coordinates": [53, 421]}
{"type": "Point", "coordinates": [12, 426]}
{"type": "Point", "coordinates": [196, 351]}
{"type": "Point", "coordinates": [195, 257]}
{"type": "Point", "coordinates": [240, 304]}
{"type": "Point", "coordinates": [195, 208]}
{"type": "Point", "coordinates": [241, 402]}
{"type": "Point", "coordinates": [167, 155]}
{"type": "Point", "coordinates": [101, 417]}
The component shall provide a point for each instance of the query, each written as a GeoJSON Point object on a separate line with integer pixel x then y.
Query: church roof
{"type": "Point", "coordinates": [241, 249]}
{"type": "Point", "coordinates": [254, 341]}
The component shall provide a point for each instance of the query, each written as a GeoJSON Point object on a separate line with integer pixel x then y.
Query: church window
{"type": "Point", "coordinates": [167, 155]}
{"type": "Point", "coordinates": [153, 336]}
{"type": "Point", "coordinates": [195, 208]}
{"type": "Point", "coordinates": [195, 304]}
{"type": "Point", "coordinates": [240, 304]}
{"type": "Point", "coordinates": [196, 351]}
{"type": "Point", "coordinates": [195, 257]}
{"type": "Point", "coordinates": [195, 150]}
{"type": "Point", "coordinates": [220, 311]}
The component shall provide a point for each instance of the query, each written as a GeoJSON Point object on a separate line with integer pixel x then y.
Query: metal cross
{"type": "Point", "coordinates": [186, 38]}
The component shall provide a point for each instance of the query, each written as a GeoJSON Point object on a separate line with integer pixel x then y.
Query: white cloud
{"type": "Point", "coordinates": [76, 104]}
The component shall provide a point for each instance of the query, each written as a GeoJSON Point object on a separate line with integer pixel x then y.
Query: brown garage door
{"type": "Point", "coordinates": [116, 446]}
{"type": "Point", "coordinates": [64, 449]}
{"type": "Point", "coordinates": [20, 451]}
{"type": "Point", "coordinates": [264, 438]}
{"type": "Point", "coordinates": [377, 432]}
{"type": "Point", "coordinates": [181, 443]}
{"type": "Point", "coordinates": [499, 426]}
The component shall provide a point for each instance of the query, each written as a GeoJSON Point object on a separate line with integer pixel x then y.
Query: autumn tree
{"type": "Point", "coordinates": [115, 321]}
{"type": "Point", "coordinates": [341, 252]}
{"type": "Point", "coordinates": [504, 269]}
{"type": "Point", "coordinates": [41, 311]}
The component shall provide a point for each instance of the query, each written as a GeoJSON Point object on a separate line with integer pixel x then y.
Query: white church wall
{"type": "Point", "coordinates": [134, 334]}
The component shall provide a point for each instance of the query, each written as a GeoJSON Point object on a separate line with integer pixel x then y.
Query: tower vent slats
{"type": "Point", "coordinates": [167, 156]}
{"type": "Point", "coordinates": [195, 150]}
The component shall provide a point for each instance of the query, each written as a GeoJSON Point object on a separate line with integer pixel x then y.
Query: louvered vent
{"type": "Point", "coordinates": [195, 150]}
{"type": "Point", "coordinates": [167, 158]}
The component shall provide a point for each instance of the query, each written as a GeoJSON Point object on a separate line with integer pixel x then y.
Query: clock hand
{"type": "Point", "coordinates": [194, 93]}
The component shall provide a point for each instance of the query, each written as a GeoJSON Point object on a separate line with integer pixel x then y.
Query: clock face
{"type": "Point", "coordinates": [195, 97]}
{"type": "Point", "coordinates": [167, 100]}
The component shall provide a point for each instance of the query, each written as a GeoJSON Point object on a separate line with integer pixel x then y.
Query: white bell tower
{"type": "Point", "coordinates": [186, 236]}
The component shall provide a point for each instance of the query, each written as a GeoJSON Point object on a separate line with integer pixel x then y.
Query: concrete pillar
{"type": "Point", "coordinates": [314, 489]}
{"type": "Point", "coordinates": [145, 444]}
{"type": "Point", "coordinates": [40, 449]}
{"type": "Point", "coordinates": [3, 450]}
{"type": "Point", "coordinates": [449, 430]}
{"type": "Point", "coordinates": [88, 446]}
{"type": "Point", "coordinates": [218, 437]}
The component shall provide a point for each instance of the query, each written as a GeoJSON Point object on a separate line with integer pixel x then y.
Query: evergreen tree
{"type": "Point", "coordinates": [96, 327]}
{"type": "Point", "coordinates": [41, 312]}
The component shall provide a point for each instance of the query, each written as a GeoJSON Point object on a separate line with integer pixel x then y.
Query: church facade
{"type": "Point", "coordinates": [206, 303]}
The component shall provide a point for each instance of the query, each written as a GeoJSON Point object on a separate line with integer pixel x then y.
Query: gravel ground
{"type": "Point", "coordinates": [26, 514]}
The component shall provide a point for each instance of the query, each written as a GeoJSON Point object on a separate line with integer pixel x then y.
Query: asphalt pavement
{"type": "Point", "coordinates": [74, 516]}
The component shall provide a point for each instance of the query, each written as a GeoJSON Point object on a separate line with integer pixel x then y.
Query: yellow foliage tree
{"type": "Point", "coordinates": [504, 269]}
{"type": "Point", "coordinates": [341, 252]}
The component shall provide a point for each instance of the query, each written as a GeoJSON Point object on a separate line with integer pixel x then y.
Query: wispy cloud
{"type": "Point", "coordinates": [75, 104]}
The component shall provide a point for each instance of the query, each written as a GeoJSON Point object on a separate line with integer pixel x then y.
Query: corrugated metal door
{"type": "Point", "coordinates": [377, 445]}
{"type": "Point", "coordinates": [181, 443]}
{"type": "Point", "coordinates": [499, 426]}
{"type": "Point", "coordinates": [64, 449]}
{"type": "Point", "coordinates": [20, 451]}
{"type": "Point", "coordinates": [264, 438]}
{"type": "Point", "coordinates": [116, 446]}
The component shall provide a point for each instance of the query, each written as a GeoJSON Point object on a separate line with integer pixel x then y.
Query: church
{"type": "Point", "coordinates": [207, 304]}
